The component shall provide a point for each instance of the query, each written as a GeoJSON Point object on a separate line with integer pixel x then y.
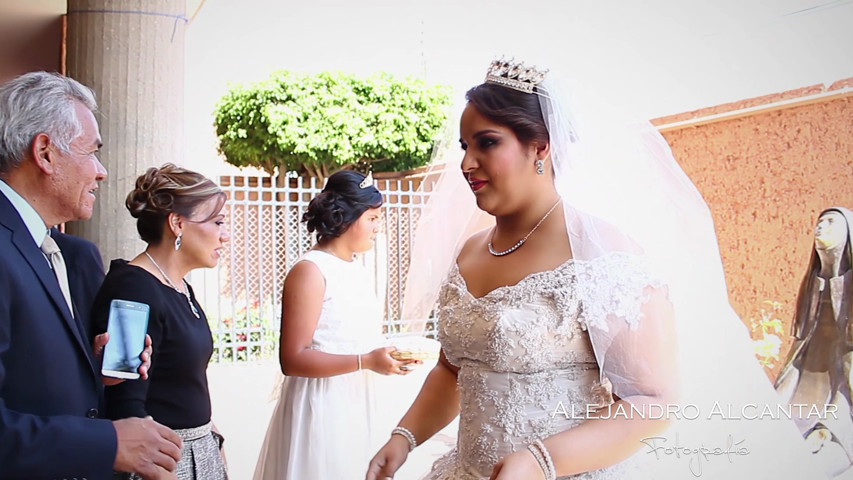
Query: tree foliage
{"type": "Point", "coordinates": [316, 124]}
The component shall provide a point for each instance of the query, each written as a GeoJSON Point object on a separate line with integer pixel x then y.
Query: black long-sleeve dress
{"type": "Point", "coordinates": [176, 392]}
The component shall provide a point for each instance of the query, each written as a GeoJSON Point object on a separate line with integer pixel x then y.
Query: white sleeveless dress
{"type": "Point", "coordinates": [329, 428]}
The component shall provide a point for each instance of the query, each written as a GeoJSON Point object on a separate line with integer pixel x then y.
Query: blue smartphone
{"type": "Point", "coordinates": [127, 325]}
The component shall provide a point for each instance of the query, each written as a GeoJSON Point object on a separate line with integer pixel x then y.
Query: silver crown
{"type": "Point", "coordinates": [514, 75]}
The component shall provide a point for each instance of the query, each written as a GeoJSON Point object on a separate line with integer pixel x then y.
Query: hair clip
{"type": "Point", "coordinates": [368, 181]}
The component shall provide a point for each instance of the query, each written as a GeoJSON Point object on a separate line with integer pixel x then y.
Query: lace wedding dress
{"type": "Point", "coordinates": [527, 370]}
{"type": "Point", "coordinates": [526, 366]}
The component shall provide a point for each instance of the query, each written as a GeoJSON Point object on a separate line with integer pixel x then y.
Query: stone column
{"type": "Point", "coordinates": [131, 53]}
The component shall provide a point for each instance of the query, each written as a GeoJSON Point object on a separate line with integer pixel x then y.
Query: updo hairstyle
{"type": "Point", "coordinates": [165, 190]}
{"type": "Point", "coordinates": [516, 110]}
{"type": "Point", "coordinates": [340, 204]}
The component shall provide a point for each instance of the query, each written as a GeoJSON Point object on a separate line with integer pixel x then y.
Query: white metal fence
{"type": "Point", "coordinates": [242, 296]}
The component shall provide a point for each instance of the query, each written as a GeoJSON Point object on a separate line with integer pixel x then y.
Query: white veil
{"type": "Point", "coordinates": [625, 191]}
{"type": "Point", "coordinates": [625, 197]}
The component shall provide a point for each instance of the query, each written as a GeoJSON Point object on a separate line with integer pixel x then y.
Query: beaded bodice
{"type": "Point", "coordinates": [527, 367]}
{"type": "Point", "coordinates": [528, 327]}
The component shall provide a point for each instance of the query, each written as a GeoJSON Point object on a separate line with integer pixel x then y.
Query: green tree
{"type": "Point", "coordinates": [317, 124]}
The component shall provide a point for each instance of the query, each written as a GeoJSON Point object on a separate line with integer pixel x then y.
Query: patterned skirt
{"type": "Point", "coordinates": [200, 456]}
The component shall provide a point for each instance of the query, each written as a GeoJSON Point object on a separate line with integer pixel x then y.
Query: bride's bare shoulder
{"type": "Point", "coordinates": [475, 243]}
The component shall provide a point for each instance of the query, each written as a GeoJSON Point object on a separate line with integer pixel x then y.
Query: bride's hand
{"type": "Point", "coordinates": [520, 465]}
{"type": "Point", "coordinates": [389, 459]}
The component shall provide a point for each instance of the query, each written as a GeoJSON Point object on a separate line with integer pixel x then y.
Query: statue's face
{"type": "Point", "coordinates": [831, 231]}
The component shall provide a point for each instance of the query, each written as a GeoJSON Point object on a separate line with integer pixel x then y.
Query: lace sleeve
{"type": "Point", "coordinates": [629, 317]}
{"type": "Point", "coordinates": [614, 285]}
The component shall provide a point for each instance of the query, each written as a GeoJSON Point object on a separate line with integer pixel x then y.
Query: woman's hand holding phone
{"type": "Point", "coordinates": [122, 348]}
{"type": "Point", "coordinates": [100, 342]}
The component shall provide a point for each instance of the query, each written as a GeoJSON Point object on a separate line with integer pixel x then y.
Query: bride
{"type": "Point", "coordinates": [588, 333]}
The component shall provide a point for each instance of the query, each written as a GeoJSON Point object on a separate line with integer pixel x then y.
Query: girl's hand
{"type": "Point", "coordinates": [380, 361]}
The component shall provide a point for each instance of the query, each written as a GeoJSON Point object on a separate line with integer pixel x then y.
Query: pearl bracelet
{"type": "Point", "coordinates": [539, 459]}
{"type": "Point", "coordinates": [359, 361]}
{"type": "Point", "coordinates": [407, 434]}
{"type": "Point", "coordinates": [543, 457]}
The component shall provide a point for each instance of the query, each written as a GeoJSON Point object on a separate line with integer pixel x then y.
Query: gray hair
{"type": "Point", "coordinates": [39, 102]}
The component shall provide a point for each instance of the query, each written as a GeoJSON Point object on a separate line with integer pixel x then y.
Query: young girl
{"type": "Point", "coordinates": [325, 423]}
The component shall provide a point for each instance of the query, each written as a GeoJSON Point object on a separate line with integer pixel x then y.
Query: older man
{"type": "Point", "coordinates": [50, 387]}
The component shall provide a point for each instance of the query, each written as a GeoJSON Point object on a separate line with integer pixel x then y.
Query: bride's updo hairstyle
{"type": "Point", "coordinates": [169, 189]}
{"type": "Point", "coordinates": [344, 198]}
{"type": "Point", "coordinates": [518, 111]}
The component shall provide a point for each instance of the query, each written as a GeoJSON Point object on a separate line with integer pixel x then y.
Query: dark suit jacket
{"type": "Point", "coordinates": [50, 388]}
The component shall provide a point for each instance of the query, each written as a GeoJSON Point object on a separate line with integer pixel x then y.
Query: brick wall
{"type": "Point", "coordinates": [767, 166]}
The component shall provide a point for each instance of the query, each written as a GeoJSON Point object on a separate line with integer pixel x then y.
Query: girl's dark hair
{"type": "Point", "coordinates": [340, 204]}
{"type": "Point", "coordinates": [518, 111]}
{"type": "Point", "coordinates": [169, 189]}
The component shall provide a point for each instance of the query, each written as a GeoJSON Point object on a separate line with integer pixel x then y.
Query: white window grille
{"type": "Point", "coordinates": [242, 296]}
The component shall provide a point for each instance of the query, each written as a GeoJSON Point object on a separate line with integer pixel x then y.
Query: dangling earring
{"type": "Point", "coordinates": [540, 166]}
{"type": "Point", "coordinates": [178, 242]}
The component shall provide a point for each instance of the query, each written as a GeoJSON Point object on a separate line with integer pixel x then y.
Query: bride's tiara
{"type": "Point", "coordinates": [514, 75]}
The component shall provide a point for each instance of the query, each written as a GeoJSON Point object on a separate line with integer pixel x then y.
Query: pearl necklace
{"type": "Point", "coordinates": [185, 292]}
{"type": "Point", "coordinates": [524, 239]}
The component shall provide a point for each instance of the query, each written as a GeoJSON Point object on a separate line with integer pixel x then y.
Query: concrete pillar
{"type": "Point", "coordinates": [131, 53]}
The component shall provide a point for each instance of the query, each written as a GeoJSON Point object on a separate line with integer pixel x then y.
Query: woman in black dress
{"type": "Point", "coordinates": [179, 215]}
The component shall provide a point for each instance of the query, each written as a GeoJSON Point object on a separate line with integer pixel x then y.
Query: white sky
{"type": "Point", "coordinates": [657, 57]}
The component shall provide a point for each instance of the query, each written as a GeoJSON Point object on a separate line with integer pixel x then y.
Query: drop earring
{"type": "Point", "coordinates": [178, 242]}
{"type": "Point", "coordinates": [540, 166]}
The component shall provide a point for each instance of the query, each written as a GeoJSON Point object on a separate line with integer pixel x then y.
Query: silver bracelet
{"type": "Point", "coordinates": [407, 434]}
{"type": "Point", "coordinates": [540, 452]}
{"type": "Point", "coordinates": [359, 361]}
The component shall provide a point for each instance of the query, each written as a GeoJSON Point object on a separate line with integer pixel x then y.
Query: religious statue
{"type": "Point", "coordinates": [816, 380]}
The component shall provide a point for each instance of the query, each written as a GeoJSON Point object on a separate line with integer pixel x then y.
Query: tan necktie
{"type": "Point", "coordinates": [51, 249]}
